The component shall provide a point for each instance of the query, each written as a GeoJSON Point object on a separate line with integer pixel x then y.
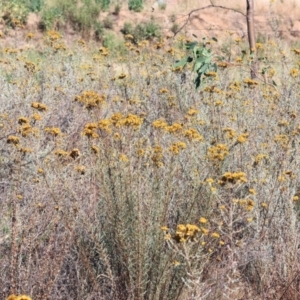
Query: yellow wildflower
{"type": "Point", "coordinates": [294, 72]}
{"type": "Point", "coordinates": [215, 235]}
{"type": "Point", "coordinates": [123, 158]}
{"type": "Point", "coordinates": [95, 149]}
{"type": "Point", "coordinates": [36, 117]}
{"type": "Point", "coordinates": [192, 134]}
{"type": "Point", "coordinates": [177, 147]}
{"type": "Point", "coordinates": [53, 130]}
{"type": "Point", "coordinates": [23, 120]}
{"type": "Point", "coordinates": [192, 111]}
{"type": "Point", "coordinates": [203, 220]}
{"type": "Point", "coordinates": [218, 152]}
{"type": "Point", "coordinates": [242, 138]}
{"type": "Point", "coordinates": [39, 106]}
{"type": "Point", "coordinates": [80, 169]}
{"type": "Point", "coordinates": [163, 91]}
{"type": "Point", "coordinates": [11, 139]}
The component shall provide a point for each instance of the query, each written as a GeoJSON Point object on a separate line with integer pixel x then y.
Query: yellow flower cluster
{"type": "Point", "coordinates": [123, 158]}
{"type": "Point", "coordinates": [294, 72]}
{"type": "Point", "coordinates": [212, 89]}
{"type": "Point", "coordinates": [177, 147]}
{"type": "Point", "coordinates": [130, 120]}
{"type": "Point", "coordinates": [12, 139]}
{"type": "Point", "coordinates": [90, 130]}
{"type": "Point", "coordinates": [23, 120]}
{"type": "Point", "coordinates": [80, 169]}
{"type": "Point", "coordinates": [218, 152]}
{"type": "Point", "coordinates": [61, 153]}
{"type": "Point", "coordinates": [192, 134]}
{"type": "Point", "coordinates": [233, 177]}
{"type": "Point", "coordinates": [30, 67]}
{"type": "Point", "coordinates": [157, 156]}
{"type": "Point", "coordinates": [185, 233]}
{"type": "Point", "coordinates": [281, 139]}
{"type": "Point", "coordinates": [235, 86]}
{"type": "Point", "coordinates": [192, 111]}
{"type": "Point", "coordinates": [20, 297]}
{"type": "Point", "coordinates": [55, 131]}
{"type": "Point", "coordinates": [242, 138]}
{"type": "Point", "coordinates": [211, 74]}
{"type": "Point", "coordinates": [104, 51]}
{"type": "Point", "coordinates": [53, 35]}
{"type": "Point", "coordinates": [160, 124]}
{"type": "Point", "coordinates": [175, 127]}
{"type": "Point", "coordinates": [26, 130]}
{"type": "Point", "coordinates": [90, 98]}
{"type": "Point", "coordinates": [250, 82]}
{"type": "Point", "coordinates": [39, 106]}
{"type": "Point", "coordinates": [247, 203]}
{"type": "Point", "coordinates": [229, 133]}
{"type": "Point", "coordinates": [259, 158]}
{"type": "Point", "coordinates": [105, 124]}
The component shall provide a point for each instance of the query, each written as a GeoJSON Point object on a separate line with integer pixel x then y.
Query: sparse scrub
{"type": "Point", "coordinates": [142, 31]}
{"type": "Point", "coordinates": [108, 23]}
{"type": "Point", "coordinates": [14, 12]}
{"type": "Point", "coordinates": [120, 181]}
{"type": "Point", "coordinates": [135, 5]}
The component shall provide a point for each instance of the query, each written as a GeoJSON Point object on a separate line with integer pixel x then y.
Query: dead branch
{"type": "Point", "coordinates": [206, 7]}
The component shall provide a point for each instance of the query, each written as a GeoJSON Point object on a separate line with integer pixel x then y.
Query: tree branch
{"type": "Point", "coordinates": [206, 7]}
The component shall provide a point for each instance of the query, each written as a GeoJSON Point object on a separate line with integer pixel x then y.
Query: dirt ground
{"type": "Point", "coordinates": [276, 18]}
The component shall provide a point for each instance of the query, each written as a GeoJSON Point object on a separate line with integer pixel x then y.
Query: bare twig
{"type": "Point", "coordinates": [206, 7]}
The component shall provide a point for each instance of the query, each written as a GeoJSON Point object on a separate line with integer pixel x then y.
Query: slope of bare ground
{"type": "Point", "coordinates": [272, 18]}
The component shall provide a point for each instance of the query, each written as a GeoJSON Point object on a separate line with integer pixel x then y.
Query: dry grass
{"type": "Point", "coordinates": [96, 159]}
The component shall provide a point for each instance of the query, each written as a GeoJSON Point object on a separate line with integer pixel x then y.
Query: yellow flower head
{"type": "Point", "coordinates": [39, 106]}
{"type": "Point", "coordinates": [13, 140]}
{"type": "Point", "coordinates": [215, 235]}
{"type": "Point", "coordinates": [203, 220]}
{"type": "Point", "coordinates": [55, 131]}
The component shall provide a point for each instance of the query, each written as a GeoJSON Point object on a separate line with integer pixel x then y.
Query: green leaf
{"type": "Point", "coordinates": [204, 68]}
{"type": "Point", "coordinates": [274, 82]}
{"type": "Point", "coordinates": [199, 62]}
{"type": "Point", "coordinates": [189, 59]}
{"type": "Point", "coordinates": [214, 67]}
{"type": "Point", "coordinates": [181, 63]}
{"type": "Point", "coordinates": [198, 81]}
{"type": "Point", "coordinates": [191, 45]}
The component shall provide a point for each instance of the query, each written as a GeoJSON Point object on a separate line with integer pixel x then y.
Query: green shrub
{"type": "Point", "coordinates": [135, 5]}
{"type": "Point", "coordinates": [99, 30]}
{"type": "Point", "coordinates": [49, 17]}
{"type": "Point", "coordinates": [13, 11]}
{"type": "Point", "coordinates": [114, 44]}
{"type": "Point", "coordinates": [108, 23]}
{"type": "Point", "coordinates": [36, 5]}
{"type": "Point", "coordinates": [104, 4]}
{"type": "Point", "coordinates": [117, 9]}
{"type": "Point", "coordinates": [80, 15]}
{"type": "Point", "coordinates": [143, 31]}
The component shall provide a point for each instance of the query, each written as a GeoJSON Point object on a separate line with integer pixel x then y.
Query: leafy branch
{"type": "Point", "coordinates": [202, 58]}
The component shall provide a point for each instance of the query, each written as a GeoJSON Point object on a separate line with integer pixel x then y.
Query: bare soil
{"type": "Point", "coordinates": [278, 18]}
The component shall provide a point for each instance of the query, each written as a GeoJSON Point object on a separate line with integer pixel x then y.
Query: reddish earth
{"type": "Point", "coordinates": [276, 19]}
